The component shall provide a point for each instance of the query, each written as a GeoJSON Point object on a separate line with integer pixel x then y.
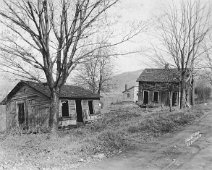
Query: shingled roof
{"type": "Point", "coordinates": [67, 91]}
{"type": "Point", "coordinates": [159, 75]}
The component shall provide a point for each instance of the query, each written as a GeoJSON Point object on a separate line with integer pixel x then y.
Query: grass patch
{"type": "Point", "coordinates": [123, 128]}
{"type": "Point", "coordinates": [162, 123]}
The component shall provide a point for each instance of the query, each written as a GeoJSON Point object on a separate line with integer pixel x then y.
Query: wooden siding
{"type": "Point", "coordinates": [36, 107]}
{"type": "Point", "coordinates": [152, 87]}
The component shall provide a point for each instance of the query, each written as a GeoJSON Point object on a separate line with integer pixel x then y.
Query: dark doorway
{"type": "Point", "coordinates": [65, 110]}
{"type": "Point", "coordinates": [21, 114]}
{"type": "Point", "coordinates": [146, 97]}
{"type": "Point", "coordinates": [90, 104]}
{"type": "Point", "coordinates": [79, 111]}
{"type": "Point", "coordinates": [155, 97]}
{"type": "Point", "coordinates": [174, 99]}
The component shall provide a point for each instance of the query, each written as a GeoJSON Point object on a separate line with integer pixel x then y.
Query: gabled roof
{"type": "Point", "coordinates": [159, 75]}
{"type": "Point", "coordinates": [67, 91]}
{"type": "Point", "coordinates": [126, 90]}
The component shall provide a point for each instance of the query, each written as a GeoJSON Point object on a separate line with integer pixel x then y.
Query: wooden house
{"type": "Point", "coordinates": [28, 105]}
{"type": "Point", "coordinates": [130, 94]}
{"type": "Point", "coordinates": [156, 85]}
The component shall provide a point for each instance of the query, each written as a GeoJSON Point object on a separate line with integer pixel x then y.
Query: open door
{"type": "Point", "coordinates": [174, 99]}
{"type": "Point", "coordinates": [65, 109]}
{"type": "Point", "coordinates": [90, 104]}
{"type": "Point", "coordinates": [79, 111]}
{"type": "Point", "coordinates": [21, 114]}
{"type": "Point", "coordinates": [146, 97]}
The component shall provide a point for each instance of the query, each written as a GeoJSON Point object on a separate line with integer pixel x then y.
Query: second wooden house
{"type": "Point", "coordinates": [155, 86]}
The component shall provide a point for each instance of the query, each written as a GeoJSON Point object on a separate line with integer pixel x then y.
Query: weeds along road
{"type": "Point", "coordinates": [167, 152]}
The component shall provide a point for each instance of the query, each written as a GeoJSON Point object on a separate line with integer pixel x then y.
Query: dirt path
{"type": "Point", "coordinates": [167, 152]}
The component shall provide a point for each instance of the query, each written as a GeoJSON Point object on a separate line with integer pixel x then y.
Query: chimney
{"type": "Point", "coordinates": [125, 86]}
{"type": "Point", "coordinates": [167, 66]}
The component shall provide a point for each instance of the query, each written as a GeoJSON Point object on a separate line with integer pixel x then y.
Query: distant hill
{"type": "Point", "coordinates": [118, 80]}
{"type": "Point", "coordinates": [128, 78]}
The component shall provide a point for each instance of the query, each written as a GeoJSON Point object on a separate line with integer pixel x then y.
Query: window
{"type": "Point", "coordinates": [128, 95]}
{"type": "Point", "coordinates": [65, 109]}
{"type": "Point", "coordinates": [155, 96]}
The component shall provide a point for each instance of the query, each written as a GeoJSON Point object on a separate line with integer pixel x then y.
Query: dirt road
{"type": "Point", "coordinates": [167, 152]}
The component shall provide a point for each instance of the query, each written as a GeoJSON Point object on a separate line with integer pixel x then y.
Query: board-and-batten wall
{"type": "Point", "coordinates": [37, 108]}
{"type": "Point", "coordinates": [35, 105]}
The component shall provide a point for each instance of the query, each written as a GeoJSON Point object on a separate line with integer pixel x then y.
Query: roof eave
{"type": "Point", "coordinates": [86, 98]}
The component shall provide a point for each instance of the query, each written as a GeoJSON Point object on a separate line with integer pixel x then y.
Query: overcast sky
{"type": "Point", "coordinates": [127, 12]}
{"type": "Point", "coordinates": [135, 11]}
{"type": "Point", "coordinates": [140, 10]}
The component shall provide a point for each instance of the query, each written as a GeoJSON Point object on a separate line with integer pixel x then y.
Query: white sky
{"type": "Point", "coordinates": [140, 10]}
{"type": "Point", "coordinates": [135, 11]}
{"type": "Point", "coordinates": [128, 11]}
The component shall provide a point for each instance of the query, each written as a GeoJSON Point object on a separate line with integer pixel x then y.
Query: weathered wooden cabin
{"type": "Point", "coordinates": [28, 105]}
{"type": "Point", "coordinates": [155, 86]}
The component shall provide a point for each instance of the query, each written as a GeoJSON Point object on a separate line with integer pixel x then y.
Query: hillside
{"type": "Point", "coordinates": [118, 80]}
{"type": "Point", "coordinates": [128, 78]}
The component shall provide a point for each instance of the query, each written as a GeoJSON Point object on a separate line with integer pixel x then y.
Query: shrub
{"type": "Point", "coordinates": [164, 123]}
{"type": "Point", "coordinates": [111, 140]}
{"type": "Point", "coordinates": [134, 129]}
{"type": "Point", "coordinates": [107, 142]}
{"type": "Point", "coordinates": [203, 93]}
{"type": "Point", "coordinates": [99, 125]}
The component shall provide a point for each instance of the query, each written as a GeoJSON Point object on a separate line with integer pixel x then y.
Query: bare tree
{"type": "Point", "coordinates": [182, 32]}
{"type": "Point", "coordinates": [50, 37]}
{"type": "Point", "coordinates": [96, 74]}
{"type": "Point", "coordinates": [170, 82]}
{"type": "Point", "coordinates": [206, 66]}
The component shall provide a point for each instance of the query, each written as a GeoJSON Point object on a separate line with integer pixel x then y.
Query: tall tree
{"type": "Point", "coordinates": [50, 37]}
{"type": "Point", "coordinates": [182, 32]}
{"type": "Point", "coordinates": [96, 73]}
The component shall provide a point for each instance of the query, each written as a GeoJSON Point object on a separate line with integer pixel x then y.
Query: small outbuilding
{"type": "Point", "coordinates": [130, 94]}
{"type": "Point", "coordinates": [28, 105]}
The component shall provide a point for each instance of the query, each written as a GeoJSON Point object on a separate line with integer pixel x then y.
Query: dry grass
{"type": "Point", "coordinates": [121, 129]}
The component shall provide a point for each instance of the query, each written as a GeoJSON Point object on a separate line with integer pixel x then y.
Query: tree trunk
{"type": "Point", "coordinates": [192, 91]}
{"type": "Point", "coordinates": [182, 92]}
{"type": "Point", "coordinates": [170, 101]}
{"type": "Point", "coordinates": [54, 111]}
{"type": "Point", "coordinates": [100, 85]}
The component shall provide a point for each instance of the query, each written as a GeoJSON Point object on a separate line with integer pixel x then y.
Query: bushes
{"type": "Point", "coordinates": [107, 142]}
{"type": "Point", "coordinates": [111, 140]}
{"type": "Point", "coordinates": [203, 93]}
{"type": "Point", "coordinates": [165, 123]}
{"type": "Point", "coordinates": [99, 125]}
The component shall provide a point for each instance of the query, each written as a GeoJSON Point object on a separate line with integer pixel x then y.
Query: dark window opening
{"type": "Point", "coordinates": [79, 111]}
{"type": "Point", "coordinates": [128, 95]}
{"type": "Point", "coordinates": [90, 105]}
{"type": "Point", "coordinates": [146, 97]}
{"type": "Point", "coordinates": [174, 99]}
{"type": "Point", "coordinates": [65, 110]}
{"type": "Point", "coordinates": [21, 114]}
{"type": "Point", "coordinates": [155, 97]}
